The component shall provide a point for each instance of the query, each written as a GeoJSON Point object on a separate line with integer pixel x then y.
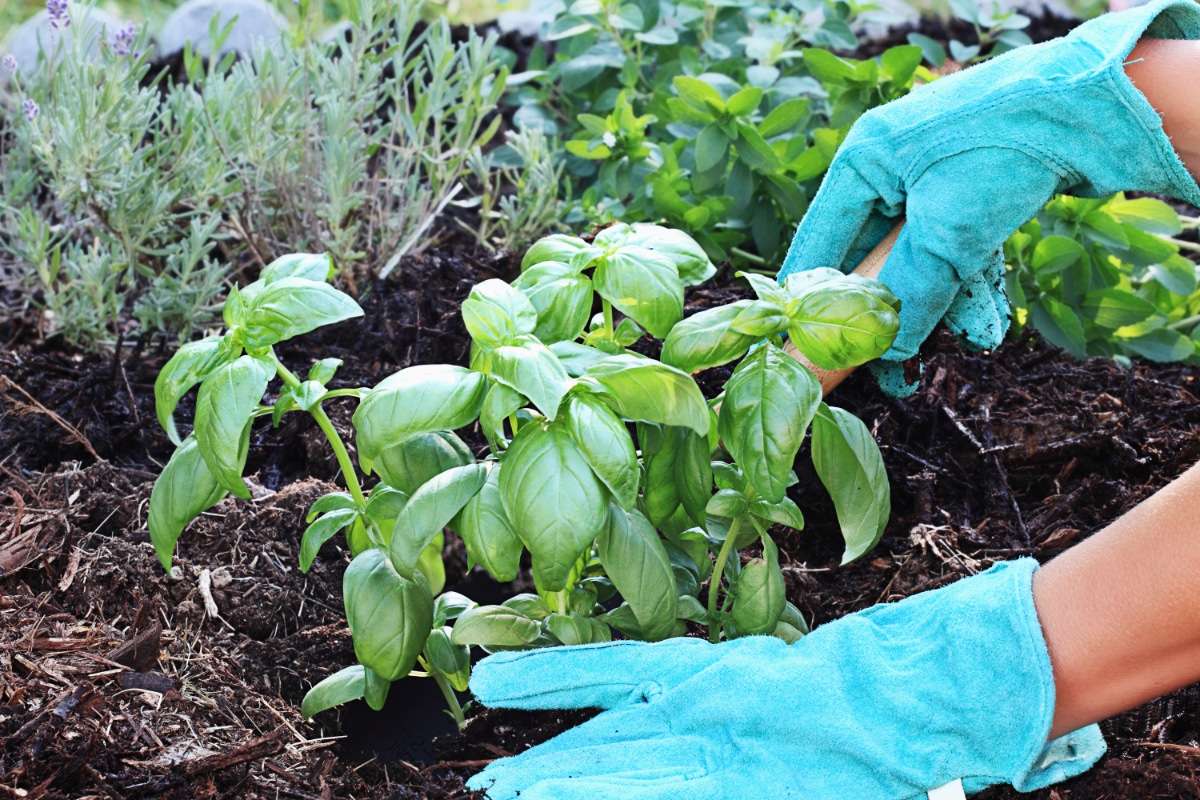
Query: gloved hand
{"type": "Point", "coordinates": [974, 155]}
{"type": "Point", "coordinates": [884, 704]}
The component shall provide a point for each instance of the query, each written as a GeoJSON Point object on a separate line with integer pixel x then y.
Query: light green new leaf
{"type": "Point", "coordinates": [848, 462]}
{"type": "Point", "coordinates": [310, 266]}
{"type": "Point", "coordinates": [191, 363]}
{"type": "Point", "coordinates": [450, 659]}
{"type": "Point", "coordinates": [500, 402]}
{"type": "Point", "coordinates": [389, 616]}
{"type": "Point", "coordinates": [531, 368]}
{"type": "Point", "coordinates": [375, 690]}
{"type": "Point", "coordinates": [785, 512]}
{"type": "Point", "coordinates": [642, 284]}
{"type": "Point", "coordinates": [322, 530]}
{"type": "Point", "coordinates": [1152, 216]}
{"type": "Point", "coordinates": [645, 390]}
{"type": "Point", "coordinates": [556, 503]}
{"type": "Point", "coordinates": [430, 563]}
{"type": "Point", "coordinates": [409, 464]}
{"type": "Point", "coordinates": [556, 247]}
{"type": "Point", "coordinates": [429, 510]}
{"type": "Point", "coordinates": [562, 297]}
{"type": "Point", "coordinates": [638, 565]}
{"type": "Point", "coordinates": [291, 306]}
{"type": "Point", "coordinates": [843, 326]}
{"type": "Point", "coordinates": [324, 370]}
{"type": "Point", "coordinates": [759, 593]}
{"type": "Point", "coordinates": [495, 312]}
{"type": "Point", "coordinates": [333, 501]}
{"type": "Point", "coordinates": [606, 445]}
{"type": "Point", "coordinates": [761, 319]}
{"type": "Point", "coordinates": [486, 531]}
{"type": "Point", "coordinates": [225, 406]}
{"type": "Point", "coordinates": [576, 358]}
{"type": "Point", "coordinates": [183, 491]}
{"type": "Point", "coordinates": [707, 339]}
{"type": "Point", "coordinates": [1053, 254]}
{"type": "Point", "coordinates": [698, 94]}
{"type": "Point", "coordinates": [769, 402]}
{"type": "Point", "coordinates": [495, 627]}
{"type": "Point", "coordinates": [421, 399]}
{"type": "Point", "coordinates": [340, 687]}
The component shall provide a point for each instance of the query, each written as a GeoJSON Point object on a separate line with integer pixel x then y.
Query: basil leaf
{"type": "Point", "coordinates": [556, 247]}
{"type": "Point", "coordinates": [576, 358]}
{"type": "Point", "coordinates": [225, 406]}
{"type": "Point", "coordinates": [487, 533]}
{"type": "Point", "coordinates": [605, 443]}
{"type": "Point", "coordinates": [450, 659]}
{"type": "Point", "coordinates": [691, 261]}
{"type": "Point", "coordinates": [792, 626]}
{"type": "Point", "coordinates": [417, 459]}
{"type": "Point", "coordinates": [495, 627]}
{"type": "Point", "coordinates": [449, 606]}
{"type": "Point", "coordinates": [785, 513]}
{"type": "Point", "coordinates": [189, 366]}
{"type": "Point", "coordinates": [421, 399]}
{"type": "Point", "coordinates": [769, 402]}
{"type": "Point", "coordinates": [340, 687]}
{"type": "Point", "coordinates": [693, 475]}
{"type": "Point", "coordinates": [324, 370]}
{"type": "Point", "coordinates": [556, 503]}
{"type": "Point", "coordinates": [183, 491]}
{"type": "Point", "coordinates": [375, 690]}
{"type": "Point", "coordinates": [309, 266]}
{"type": "Point", "coordinates": [322, 530]}
{"type": "Point", "coordinates": [839, 326]}
{"type": "Point", "coordinates": [661, 447]}
{"type": "Point", "coordinates": [430, 564]}
{"type": "Point", "coordinates": [707, 339]}
{"type": "Point", "coordinates": [532, 369]}
{"type": "Point", "coordinates": [760, 319]}
{"type": "Point", "coordinates": [389, 616]}
{"type": "Point", "coordinates": [429, 510]}
{"type": "Point", "coordinates": [638, 565]}
{"type": "Point", "coordinates": [562, 297]}
{"type": "Point", "coordinates": [644, 285]}
{"type": "Point", "coordinates": [848, 462]}
{"type": "Point", "coordinates": [645, 390]}
{"type": "Point", "coordinates": [501, 401]}
{"type": "Point", "coordinates": [495, 312]}
{"type": "Point", "coordinates": [291, 306]}
{"type": "Point", "coordinates": [759, 593]}
{"type": "Point", "coordinates": [332, 501]}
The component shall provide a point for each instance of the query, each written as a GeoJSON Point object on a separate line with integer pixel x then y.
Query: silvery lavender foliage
{"type": "Point", "coordinates": [30, 110]}
{"type": "Point", "coordinates": [122, 42]}
{"type": "Point", "coordinates": [59, 12]}
{"type": "Point", "coordinates": [10, 63]}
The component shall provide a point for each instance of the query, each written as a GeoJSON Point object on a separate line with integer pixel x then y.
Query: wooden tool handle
{"type": "Point", "coordinates": [869, 267]}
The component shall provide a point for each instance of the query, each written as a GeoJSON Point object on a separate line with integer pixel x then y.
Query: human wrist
{"type": "Point", "coordinates": [1158, 68]}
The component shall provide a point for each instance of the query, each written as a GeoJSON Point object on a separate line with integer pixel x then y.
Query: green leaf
{"type": "Point", "coordinates": [291, 306]}
{"type": "Point", "coordinates": [755, 151]}
{"type": "Point", "coordinates": [486, 531]}
{"type": "Point", "coordinates": [759, 593]}
{"type": "Point", "coordinates": [533, 370]}
{"type": "Point", "coordinates": [933, 50]}
{"type": "Point", "coordinates": [375, 689]}
{"type": "Point", "coordinates": [389, 616]}
{"type": "Point", "coordinates": [1057, 322]}
{"type": "Point", "coordinates": [562, 297]}
{"type": "Point", "coordinates": [645, 390]}
{"type": "Point", "coordinates": [1152, 216]}
{"type": "Point", "coordinates": [556, 503]}
{"type": "Point", "coordinates": [691, 261]}
{"type": "Point", "coordinates": [557, 247]}
{"type": "Point", "coordinates": [642, 284]}
{"type": "Point", "coordinates": [333, 501]}
{"type": "Point", "coordinates": [727, 504]}
{"type": "Point", "coordinates": [340, 687]}
{"type": "Point", "coordinates": [324, 370]}
{"type": "Point", "coordinates": [900, 63]}
{"type": "Point", "coordinates": [744, 102]}
{"type": "Point", "coordinates": [1116, 308]}
{"type": "Point", "coordinates": [785, 513]}
{"type": "Point", "coordinates": [693, 475]}
{"type": "Point", "coordinates": [309, 266]}
{"type": "Point", "coordinates": [420, 399]}
{"type": "Point", "coordinates": [698, 94]}
{"type": "Point", "coordinates": [637, 563]}
{"type": "Point", "coordinates": [449, 606]}
{"type": "Point", "coordinates": [322, 530]}
{"type": "Point", "coordinates": [848, 462]}
{"type": "Point", "coordinates": [1104, 229]}
{"type": "Point", "coordinates": [787, 117]}
{"type": "Point", "coordinates": [661, 446]}
{"type": "Point", "coordinates": [606, 446]}
{"type": "Point", "coordinates": [225, 406]}
{"type": "Point", "coordinates": [409, 464]}
{"type": "Point", "coordinates": [1053, 254]}
{"type": "Point", "coordinates": [450, 659]}
{"type": "Point", "coordinates": [1177, 274]}
{"type": "Point", "coordinates": [707, 339]}
{"type": "Point", "coordinates": [844, 324]}
{"type": "Point", "coordinates": [769, 402]}
{"type": "Point", "coordinates": [191, 363]}
{"type": "Point", "coordinates": [495, 312]}
{"type": "Point", "coordinates": [792, 626]}
{"type": "Point", "coordinates": [429, 510]}
{"type": "Point", "coordinates": [183, 491]}
{"type": "Point", "coordinates": [570, 629]}
{"type": "Point", "coordinates": [827, 67]}
{"type": "Point", "coordinates": [712, 146]}
{"type": "Point", "coordinates": [760, 319]}
{"type": "Point", "coordinates": [430, 564]}
{"type": "Point", "coordinates": [495, 627]}
{"type": "Point", "coordinates": [577, 358]}
{"type": "Point", "coordinates": [500, 402]}
{"type": "Point", "coordinates": [1162, 345]}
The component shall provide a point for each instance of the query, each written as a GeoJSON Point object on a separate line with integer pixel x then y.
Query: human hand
{"type": "Point", "coordinates": [971, 157]}
{"type": "Point", "coordinates": [887, 703]}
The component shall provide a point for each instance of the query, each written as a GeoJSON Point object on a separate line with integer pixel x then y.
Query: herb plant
{"type": "Point", "coordinates": [1106, 277]}
{"type": "Point", "coordinates": [997, 30]}
{"type": "Point", "coordinates": [629, 490]}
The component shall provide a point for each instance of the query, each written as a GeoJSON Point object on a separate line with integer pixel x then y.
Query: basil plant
{"type": "Point", "coordinates": [632, 494]}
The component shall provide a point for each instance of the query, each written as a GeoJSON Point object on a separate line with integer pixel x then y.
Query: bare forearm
{"type": "Point", "coordinates": [1167, 72]}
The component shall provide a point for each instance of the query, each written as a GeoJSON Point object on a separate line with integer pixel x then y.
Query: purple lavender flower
{"type": "Point", "coordinates": [10, 63]}
{"type": "Point", "coordinates": [31, 110]}
{"type": "Point", "coordinates": [122, 42]}
{"type": "Point", "coordinates": [59, 14]}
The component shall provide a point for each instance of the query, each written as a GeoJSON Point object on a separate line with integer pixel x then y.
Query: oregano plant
{"type": "Point", "coordinates": [633, 494]}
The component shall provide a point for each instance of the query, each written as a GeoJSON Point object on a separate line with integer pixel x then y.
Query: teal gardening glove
{"type": "Point", "coordinates": [884, 704]}
{"type": "Point", "coordinates": [974, 155]}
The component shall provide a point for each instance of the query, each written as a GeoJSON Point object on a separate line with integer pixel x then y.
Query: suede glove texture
{"type": "Point", "coordinates": [886, 703]}
{"type": "Point", "coordinates": [971, 157]}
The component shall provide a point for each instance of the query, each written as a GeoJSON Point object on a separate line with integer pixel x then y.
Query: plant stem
{"type": "Point", "coordinates": [447, 691]}
{"type": "Point", "coordinates": [714, 628]}
{"type": "Point", "coordinates": [512, 421]}
{"type": "Point", "coordinates": [1184, 323]}
{"type": "Point", "coordinates": [608, 318]}
{"type": "Point", "coordinates": [561, 595]}
{"type": "Point", "coordinates": [751, 257]}
{"type": "Point", "coordinates": [1182, 245]}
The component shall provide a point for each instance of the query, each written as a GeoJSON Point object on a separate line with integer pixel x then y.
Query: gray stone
{"type": "Point", "coordinates": [256, 22]}
{"type": "Point", "coordinates": [35, 36]}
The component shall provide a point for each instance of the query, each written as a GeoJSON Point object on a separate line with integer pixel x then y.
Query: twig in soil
{"type": "Point", "coordinates": [267, 745]}
{"type": "Point", "coordinates": [1183, 748]}
{"type": "Point", "coordinates": [481, 762]}
{"type": "Point", "coordinates": [74, 433]}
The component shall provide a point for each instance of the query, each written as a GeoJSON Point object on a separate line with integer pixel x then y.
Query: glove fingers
{"type": "Point", "coordinates": [588, 676]}
{"type": "Point", "coordinates": [846, 220]}
{"type": "Point", "coordinates": [926, 286]}
{"type": "Point", "coordinates": [620, 788]}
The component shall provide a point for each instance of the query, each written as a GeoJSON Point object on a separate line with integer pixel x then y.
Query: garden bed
{"type": "Point", "coordinates": [116, 681]}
